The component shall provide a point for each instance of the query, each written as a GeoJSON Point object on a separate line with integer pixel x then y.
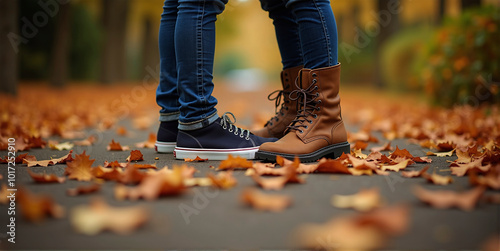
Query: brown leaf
{"type": "Point", "coordinates": [19, 158]}
{"type": "Point", "coordinates": [197, 159]}
{"type": "Point", "coordinates": [135, 155]}
{"type": "Point", "coordinates": [86, 142]}
{"type": "Point", "coordinates": [459, 169]}
{"type": "Point", "coordinates": [411, 174]}
{"type": "Point", "coordinates": [268, 169]}
{"type": "Point", "coordinates": [111, 174]}
{"type": "Point", "coordinates": [361, 145]}
{"type": "Point", "coordinates": [441, 154]}
{"type": "Point", "coordinates": [64, 159]}
{"type": "Point", "coordinates": [332, 166]}
{"type": "Point", "coordinates": [234, 163]}
{"type": "Point", "coordinates": [45, 178]}
{"type": "Point", "coordinates": [223, 180]}
{"type": "Point", "coordinates": [80, 168]}
{"type": "Point", "coordinates": [99, 216]}
{"type": "Point", "coordinates": [36, 207]}
{"type": "Point", "coordinates": [403, 153]}
{"type": "Point", "coordinates": [122, 131]}
{"type": "Point", "coordinates": [265, 202]}
{"type": "Point", "coordinates": [385, 147]}
{"type": "Point", "coordinates": [131, 175]}
{"type": "Point", "coordinates": [447, 198]}
{"type": "Point", "coordinates": [365, 200]}
{"type": "Point", "coordinates": [397, 167]}
{"type": "Point", "coordinates": [393, 220]}
{"type": "Point", "coordinates": [490, 180]}
{"type": "Point", "coordinates": [437, 179]}
{"type": "Point", "coordinates": [115, 146]}
{"type": "Point", "coordinates": [92, 188]}
{"type": "Point", "coordinates": [115, 164]}
{"type": "Point", "coordinates": [150, 143]}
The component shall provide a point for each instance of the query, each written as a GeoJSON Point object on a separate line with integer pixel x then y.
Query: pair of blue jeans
{"type": "Point", "coordinates": [187, 47]}
{"type": "Point", "coordinates": [306, 31]}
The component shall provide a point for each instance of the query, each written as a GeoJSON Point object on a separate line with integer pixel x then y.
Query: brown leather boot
{"type": "Point", "coordinates": [318, 130]}
{"type": "Point", "coordinates": [276, 126]}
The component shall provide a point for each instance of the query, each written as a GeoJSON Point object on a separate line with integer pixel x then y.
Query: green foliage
{"type": "Point", "coordinates": [398, 57]}
{"type": "Point", "coordinates": [462, 61]}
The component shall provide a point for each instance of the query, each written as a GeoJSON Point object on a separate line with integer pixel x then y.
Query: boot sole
{"type": "Point", "coordinates": [331, 152]}
{"type": "Point", "coordinates": [164, 147]}
{"type": "Point", "coordinates": [214, 154]}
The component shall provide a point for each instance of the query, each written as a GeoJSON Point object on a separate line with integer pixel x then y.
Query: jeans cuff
{"type": "Point", "coordinates": [199, 123]}
{"type": "Point", "coordinates": [165, 117]}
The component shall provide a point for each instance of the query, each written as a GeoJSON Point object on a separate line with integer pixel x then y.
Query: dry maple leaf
{"type": "Point", "coordinates": [393, 220]}
{"type": "Point", "coordinates": [115, 146]}
{"type": "Point", "coordinates": [411, 174]}
{"type": "Point", "coordinates": [397, 167]}
{"type": "Point", "coordinates": [490, 180]}
{"type": "Point", "coordinates": [36, 207]}
{"type": "Point", "coordinates": [111, 174]}
{"type": "Point", "coordinates": [80, 168]}
{"type": "Point", "coordinates": [441, 154]}
{"type": "Point", "coordinates": [19, 158]}
{"type": "Point", "coordinates": [45, 178]}
{"type": "Point", "coordinates": [99, 216]}
{"type": "Point", "coordinates": [267, 169]}
{"type": "Point", "coordinates": [365, 200]}
{"type": "Point", "coordinates": [403, 153]}
{"type": "Point", "coordinates": [131, 175]}
{"type": "Point", "coordinates": [92, 188]}
{"type": "Point", "coordinates": [135, 155]}
{"type": "Point", "coordinates": [54, 145]}
{"type": "Point", "coordinates": [115, 164]}
{"type": "Point", "coordinates": [234, 163]}
{"type": "Point", "coordinates": [447, 198]}
{"type": "Point", "coordinates": [64, 159]}
{"type": "Point", "coordinates": [197, 159]}
{"type": "Point", "coordinates": [265, 202]}
{"type": "Point", "coordinates": [385, 147]}
{"type": "Point", "coordinates": [360, 164]}
{"type": "Point", "coordinates": [150, 143]}
{"type": "Point", "coordinates": [460, 169]}
{"type": "Point", "coordinates": [437, 179]}
{"type": "Point", "coordinates": [358, 154]}
{"type": "Point", "coordinates": [86, 142]}
{"type": "Point", "coordinates": [122, 131]}
{"type": "Point", "coordinates": [223, 180]}
{"type": "Point", "coordinates": [361, 145]}
{"type": "Point", "coordinates": [332, 166]}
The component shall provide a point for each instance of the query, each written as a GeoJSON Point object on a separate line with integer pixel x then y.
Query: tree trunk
{"type": "Point", "coordinates": [441, 11]}
{"type": "Point", "coordinates": [114, 63]}
{"type": "Point", "coordinates": [470, 3]}
{"type": "Point", "coordinates": [8, 53]}
{"type": "Point", "coordinates": [388, 14]}
{"type": "Point", "coordinates": [60, 50]}
{"type": "Point", "coordinates": [150, 50]}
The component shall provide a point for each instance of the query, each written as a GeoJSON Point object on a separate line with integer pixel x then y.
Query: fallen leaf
{"type": "Point", "coordinates": [223, 180]}
{"type": "Point", "coordinates": [197, 159]}
{"type": "Point", "coordinates": [99, 216]}
{"type": "Point", "coordinates": [365, 200]}
{"type": "Point", "coordinates": [80, 168]}
{"type": "Point", "coordinates": [115, 164]}
{"type": "Point", "coordinates": [265, 202]}
{"type": "Point", "coordinates": [54, 145]}
{"type": "Point", "coordinates": [397, 167]}
{"type": "Point", "coordinates": [122, 131]}
{"type": "Point", "coordinates": [446, 198]}
{"type": "Point", "coordinates": [437, 179]}
{"type": "Point", "coordinates": [361, 145]}
{"type": "Point", "coordinates": [86, 142]}
{"type": "Point", "coordinates": [131, 175]}
{"type": "Point", "coordinates": [268, 169]}
{"type": "Point", "coordinates": [64, 159]}
{"type": "Point", "coordinates": [110, 174]}
{"type": "Point", "coordinates": [150, 143]}
{"type": "Point", "coordinates": [403, 153]}
{"type": "Point", "coordinates": [234, 163]}
{"type": "Point", "coordinates": [202, 182]}
{"type": "Point", "coordinates": [441, 154]}
{"type": "Point", "coordinates": [135, 155]}
{"type": "Point", "coordinates": [36, 207]}
{"type": "Point", "coordinates": [115, 146]}
{"type": "Point", "coordinates": [490, 180]}
{"type": "Point", "coordinates": [411, 174]}
{"type": "Point", "coordinates": [358, 154]}
{"type": "Point", "coordinates": [19, 158]}
{"type": "Point", "coordinates": [45, 178]}
{"type": "Point", "coordinates": [92, 188]}
{"type": "Point", "coordinates": [332, 166]}
{"type": "Point", "coordinates": [385, 147]}
{"type": "Point", "coordinates": [460, 169]}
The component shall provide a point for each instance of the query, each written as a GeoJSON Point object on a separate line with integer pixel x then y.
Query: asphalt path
{"type": "Point", "coordinates": [220, 221]}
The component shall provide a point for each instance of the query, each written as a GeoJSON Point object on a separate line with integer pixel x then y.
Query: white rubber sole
{"type": "Point", "coordinates": [165, 147]}
{"type": "Point", "coordinates": [214, 154]}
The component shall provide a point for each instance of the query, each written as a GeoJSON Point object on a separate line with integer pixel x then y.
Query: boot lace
{"type": "Point", "coordinates": [279, 95]}
{"type": "Point", "coordinates": [308, 104]}
{"type": "Point", "coordinates": [227, 122]}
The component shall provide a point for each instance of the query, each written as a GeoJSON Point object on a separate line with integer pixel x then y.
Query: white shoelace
{"type": "Point", "coordinates": [227, 122]}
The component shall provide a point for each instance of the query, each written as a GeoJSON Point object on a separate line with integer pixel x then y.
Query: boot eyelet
{"type": "Point", "coordinates": [314, 75]}
{"type": "Point", "coordinates": [241, 135]}
{"type": "Point", "coordinates": [319, 101]}
{"type": "Point", "coordinates": [310, 121]}
{"type": "Point", "coordinates": [230, 130]}
{"type": "Point", "coordinates": [318, 108]}
{"type": "Point", "coordinates": [315, 116]}
{"type": "Point", "coordinates": [300, 131]}
{"type": "Point", "coordinates": [306, 127]}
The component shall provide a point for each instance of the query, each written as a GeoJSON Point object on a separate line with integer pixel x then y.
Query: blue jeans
{"type": "Point", "coordinates": [187, 46]}
{"type": "Point", "coordinates": [306, 32]}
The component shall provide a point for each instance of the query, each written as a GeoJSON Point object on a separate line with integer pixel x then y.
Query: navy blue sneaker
{"type": "Point", "coordinates": [218, 140]}
{"type": "Point", "coordinates": [166, 137]}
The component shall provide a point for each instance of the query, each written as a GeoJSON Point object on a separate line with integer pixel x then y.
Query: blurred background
{"type": "Point", "coordinates": [443, 49]}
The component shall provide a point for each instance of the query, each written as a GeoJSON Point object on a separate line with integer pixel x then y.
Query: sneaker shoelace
{"type": "Point", "coordinates": [307, 105]}
{"type": "Point", "coordinates": [228, 123]}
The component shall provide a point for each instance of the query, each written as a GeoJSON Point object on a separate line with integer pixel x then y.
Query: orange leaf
{"type": "Point", "coordinates": [447, 199]}
{"type": "Point", "coordinates": [411, 174]}
{"type": "Point", "coordinates": [44, 178]}
{"type": "Point", "coordinates": [397, 167]}
{"type": "Point", "coordinates": [64, 159]}
{"type": "Point", "coordinates": [80, 168]}
{"type": "Point", "coordinates": [135, 155]}
{"type": "Point", "coordinates": [19, 158]}
{"type": "Point", "coordinates": [99, 216]}
{"type": "Point", "coordinates": [403, 153]}
{"type": "Point", "coordinates": [115, 146]}
{"type": "Point", "coordinates": [150, 143]}
{"type": "Point", "coordinates": [386, 147]}
{"type": "Point", "coordinates": [365, 200]}
{"type": "Point", "coordinates": [83, 190]}
{"type": "Point", "coordinates": [223, 180]}
{"type": "Point", "coordinates": [197, 159]}
{"type": "Point", "coordinates": [265, 202]}
{"type": "Point", "coordinates": [437, 179]}
{"type": "Point", "coordinates": [36, 207]}
{"type": "Point", "coordinates": [332, 166]}
{"type": "Point", "coordinates": [235, 162]}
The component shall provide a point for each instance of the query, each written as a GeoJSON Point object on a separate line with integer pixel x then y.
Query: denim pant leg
{"type": "Point", "coordinates": [166, 93]}
{"type": "Point", "coordinates": [318, 32]}
{"type": "Point", "coordinates": [194, 51]}
{"type": "Point", "coordinates": [287, 32]}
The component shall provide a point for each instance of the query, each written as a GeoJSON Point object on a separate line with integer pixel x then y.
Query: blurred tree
{"type": "Point", "coordinates": [388, 15]}
{"type": "Point", "coordinates": [150, 50]}
{"type": "Point", "coordinates": [470, 3]}
{"type": "Point", "coordinates": [114, 18]}
{"type": "Point", "coordinates": [60, 48]}
{"type": "Point", "coordinates": [8, 56]}
{"type": "Point", "coordinates": [441, 11]}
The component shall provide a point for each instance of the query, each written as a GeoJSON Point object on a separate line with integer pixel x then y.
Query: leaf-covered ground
{"type": "Point", "coordinates": [418, 177]}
